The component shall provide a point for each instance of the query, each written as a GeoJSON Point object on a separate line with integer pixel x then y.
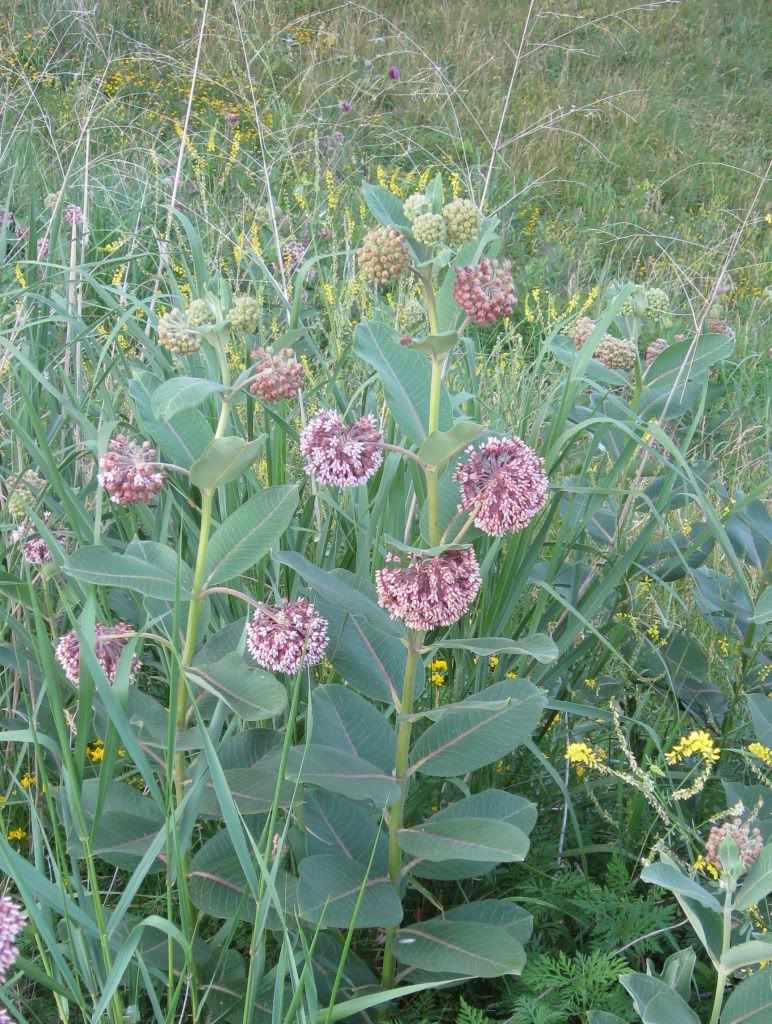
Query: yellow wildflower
{"type": "Point", "coordinates": [21, 280]}
{"type": "Point", "coordinates": [16, 835]}
{"type": "Point", "coordinates": [439, 671]}
{"type": "Point", "coordinates": [761, 752]}
{"type": "Point", "coordinates": [28, 781]}
{"type": "Point", "coordinates": [705, 866]}
{"type": "Point", "coordinates": [585, 755]}
{"type": "Point", "coordinates": [96, 751]}
{"type": "Point", "coordinates": [699, 743]}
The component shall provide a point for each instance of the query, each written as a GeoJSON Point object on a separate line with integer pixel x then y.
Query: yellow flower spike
{"type": "Point", "coordinates": [706, 867]}
{"type": "Point", "coordinates": [18, 273]}
{"type": "Point", "coordinates": [493, 661]}
{"type": "Point", "coordinates": [698, 743]}
{"type": "Point", "coordinates": [583, 755]}
{"type": "Point", "coordinates": [761, 752]}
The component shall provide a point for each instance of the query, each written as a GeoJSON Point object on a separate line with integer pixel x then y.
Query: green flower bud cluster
{"type": "Point", "coordinates": [463, 221]}
{"type": "Point", "coordinates": [244, 314]}
{"type": "Point", "coordinates": [429, 229]}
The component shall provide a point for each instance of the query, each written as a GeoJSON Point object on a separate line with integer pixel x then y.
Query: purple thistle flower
{"type": "Point", "coordinates": [109, 642]}
{"type": "Point", "coordinates": [12, 920]}
{"type": "Point", "coordinates": [35, 549]}
{"type": "Point", "coordinates": [394, 73]}
{"type": "Point", "coordinates": [128, 471]}
{"type": "Point", "coordinates": [341, 455]}
{"type": "Point", "coordinates": [429, 592]}
{"type": "Point", "coordinates": [485, 292]}
{"type": "Point", "coordinates": [503, 483]}
{"type": "Point", "coordinates": [231, 117]}
{"type": "Point", "coordinates": [287, 637]}
{"type": "Point", "coordinates": [345, 106]}
{"type": "Point", "coordinates": [278, 374]}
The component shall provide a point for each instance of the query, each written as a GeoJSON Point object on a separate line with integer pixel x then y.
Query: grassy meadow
{"type": "Point", "coordinates": [509, 813]}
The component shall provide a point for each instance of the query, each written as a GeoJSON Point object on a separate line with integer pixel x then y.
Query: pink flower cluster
{"type": "Point", "coordinates": [287, 637]}
{"type": "Point", "coordinates": [429, 592]}
{"type": "Point", "coordinates": [339, 454]}
{"type": "Point", "coordinates": [35, 549]}
{"type": "Point", "coordinates": [503, 483]}
{"type": "Point", "coordinates": [129, 472]}
{"type": "Point", "coordinates": [277, 374]}
{"type": "Point", "coordinates": [109, 642]}
{"type": "Point", "coordinates": [12, 920]}
{"type": "Point", "coordinates": [73, 214]}
{"type": "Point", "coordinates": [485, 292]}
{"type": "Point", "coordinates": [749, 843]}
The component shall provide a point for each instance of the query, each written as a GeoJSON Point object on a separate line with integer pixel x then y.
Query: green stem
{"type": "Point", "coordinates": [268, 835]}
{"type": "Point", "coordinates": [725, 944]}
{"type": "Point", "coordinates": [432, 479]}
{"type": "Point", "coordinates": [396, 815]}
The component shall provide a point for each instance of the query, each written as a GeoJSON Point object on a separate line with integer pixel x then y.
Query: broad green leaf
{"type": "Point", "coordinates": [686, 359]}
{"type": "Point", "coordinates": [251, 789]}
{"type": "Point", "coordinates": [669, 877]}
{"type": "Point", "coordinates": [405, 377]}
{"type": "Point", "coordinates": [328, 888]}
{"type": "Point", "coordinates": [480, 839]}
{"type": "Point", "coordinates": [345, 721]}
{"type": "Point", "coordinates": [517, 922]}
{"type": "Point", "coordinates": [466, 738]}
{"type": "Point", "coordinates": [761, 716]}
{"type": "Point", "coordinates": [14, 588]}
{"type": "Point", "coordinates": [438, 344]}
{"type": "Point", "coordinates": [751, 1001]}
{"type": "Point", "coordinates": [746, 954]}
{"type": "Point", "coordinates": [128, 824]}
{"type": "Point", "coordinates": [763, 611]}
{"type": "Point", "coordinates": [99, 565]}
{"type": "Point", "coordinates": [385, 206]}
{"type": "Point", "coordinates": [677, 971]}
{"type": "Point", "coordinates": [539, 646]}
{"type": "Point", "coordinates": [218, 886]}
{"type": "Point", "coordinates": [180, 393]}
{"type": "Point", "coordinates": [225, 458]}
{"type": "Point", "coordinates": [252, 693]}
{"type": "Point", "coordinates": [249, 533]}
{"type": "Point", "coordinates": [441, 446]}
{"type": "Point", "coordinates": [183, 439]}
{"type": "Point", "coordinates": [657, 1003]}
{"type": "Point", "coordinates": [466, 948]}
{"type": "Point", "coordinates": [758, 881]}
{"type": "Point", "coordinates": [334, 824]}
{"type": "Point", "coordinates": [341, 773]}
{"type": "Point", "coordinates": [491, 803]}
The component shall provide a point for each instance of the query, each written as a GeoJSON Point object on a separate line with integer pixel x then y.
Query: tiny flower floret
{"type": "Point", "coordinates": [340, 454]}
{"type": "Point", "coordinates": [503, 483]}
{"type": "Point", "coordinates": [287, 637]}
{"type": "Point", "coordinates": [12, 920]}
{"type": "Point", "coordinates": [129, 471]}
{"type": "Point", "coordinates": [486, 291]}
{"type": "Point", "coordinates": [429, 591]}
{"type": "Point", "coordinates": [109, 642]}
